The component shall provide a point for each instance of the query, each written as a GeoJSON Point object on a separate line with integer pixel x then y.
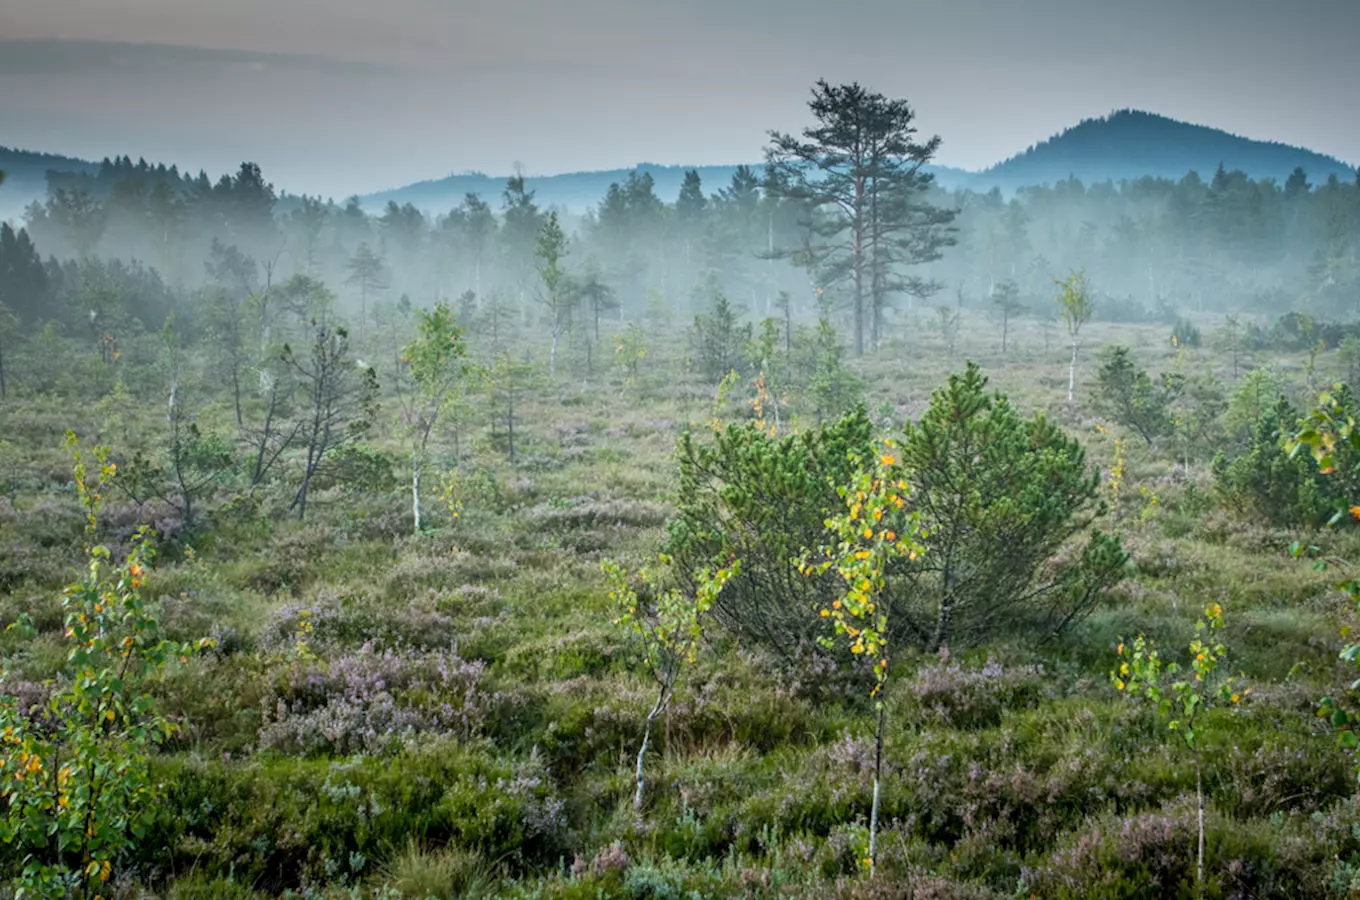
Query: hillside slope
{"type": "Point", "coordinates": [579, 191]}
{"type": "Point", "coordinates": [26, 175]}
{"type": "Point", "coordinates": [1130, 144]}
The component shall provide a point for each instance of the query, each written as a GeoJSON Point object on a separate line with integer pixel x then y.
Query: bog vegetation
{"type": "Point", "coordinates": [825, 535]}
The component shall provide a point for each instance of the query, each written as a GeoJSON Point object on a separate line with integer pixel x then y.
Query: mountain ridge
{"type": "Point", "coordinates": [1126, 144]}
{"type": "Point", "coordinates": [26, 173]}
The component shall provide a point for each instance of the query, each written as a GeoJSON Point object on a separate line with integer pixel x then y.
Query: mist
{"type": "Point", "coordinates": [814, 513]}
{"type": "Point", "coordinates": [1155, 248]}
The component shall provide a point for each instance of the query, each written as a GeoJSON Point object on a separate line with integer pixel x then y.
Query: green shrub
{"type": "Point", "coordinates": [1151, 855]}
{"type": "Point", "coordinates": [443, 874]}
{"type": "Point", "coordinates": [196, 887]}
{"type": "Point", "coordinates": [763, 500]}
{"type": "Point", "coordinates": [1003, 499]}
{"type": "Point", "coordinates": [1185, 334]}
{"type": "Point", "coordinates": [279, 823]}
{"type": "Point", "coordinates": [1266, 482]}
{"type": "Point", "coordinates": [1129, 396]}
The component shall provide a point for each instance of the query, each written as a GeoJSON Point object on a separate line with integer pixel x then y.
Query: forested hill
{"type": "Point", "coordinates": [1129, 144]}
{"type": "Point", "coordinates": [26, 175]}
{"type": "Point", "coordinates": [578, 191]}
{"type": "Point", "coordinates": [1126, 145]}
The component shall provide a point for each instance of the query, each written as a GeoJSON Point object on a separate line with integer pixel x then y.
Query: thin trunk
{"type": "Point", "coordinates": [769, 263]}
{"type": "Point", "coordinates": [1199, 796]}
{"type": "Point", "coordinates": [316, 449]}
{"type": "Point", "coordinates": [185, 494]}
{"type": "Point", "coordinates": [1072, 377]}
{"type": "Point", "coordinates": [236, 389]}
{"type": "Point", "coordinates": [258, 474]}
{"type": "Point", "coordinates": [552, 355]}
{"type": "Point", "coordinates": [646, 739]}
{"type": "Point", "coordinates": [878, 774]}
{"type": "Point", "coordinates": [944, 619]}
{"type": "Point", "coordinates": [301, 499]}
{"type": "Point", "coordinates": [415, 490]}
{"type": "Point", "coordinates": [3, 392]}
{"type": "Point", "coordinates": [858, 264]}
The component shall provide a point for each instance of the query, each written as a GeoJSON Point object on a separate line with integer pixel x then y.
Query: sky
{"type": "Point", "coordinates": [352, 96]}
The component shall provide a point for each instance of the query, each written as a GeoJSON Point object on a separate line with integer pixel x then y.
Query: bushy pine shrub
{"type": "Point", "coordinates": [1005, 501]}
{"type": "Point", "coordinates": [763, 500]}
{"type": "Point", "coordinates": [1267, 482]}
{"type": "Point", "coordinates": [1186, 334]}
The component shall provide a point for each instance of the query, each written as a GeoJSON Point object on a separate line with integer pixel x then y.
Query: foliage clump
{"type": "Point", "coordinates": [1268, 483]}
{"type": "Point", "coordinates": [1130, 397]}
{"type": "Point", "coordinates": [1002, 498]}
{"type": "Point", "coordinates": [75, 775]}
{"type": "Point", "coordinates": [763, 500]}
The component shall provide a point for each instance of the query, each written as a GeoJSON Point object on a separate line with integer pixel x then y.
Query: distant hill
{"type": "Point", "coordinates": [1126, 144]}
{"type": "Point", "coordinates": [575, 191]}
{"type": "Point", "coordinates": [26, 176]}
{"type": "Point", "coordinates": [1130, 144]}
{"type": "Point", "coordinates": [578, 191]}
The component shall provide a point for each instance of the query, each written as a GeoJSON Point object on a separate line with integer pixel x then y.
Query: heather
{"type": "Point", "coordinates": [455, 712]}
{"type": "Point", "coordinates": [473, 598]}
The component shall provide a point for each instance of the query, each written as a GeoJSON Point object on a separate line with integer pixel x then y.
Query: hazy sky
{"type": "Point", "coordinates": [340, 96]}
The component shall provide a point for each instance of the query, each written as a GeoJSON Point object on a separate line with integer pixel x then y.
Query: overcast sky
{"type": "Point", "coordinates": [342, 96]}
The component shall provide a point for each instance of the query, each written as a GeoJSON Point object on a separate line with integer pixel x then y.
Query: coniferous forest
{"type": "Point", "coordinates": [828, 531]}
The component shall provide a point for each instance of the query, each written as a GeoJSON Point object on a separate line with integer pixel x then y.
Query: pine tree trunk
{"type": "Point", "coordinates": [944, 618]}
{"type": "Point", "coordinates": [302, 493]}
{"type": "Point", "coordinates": [236, 390]}
{"type": "Point", "coordinates": [859, 302]}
